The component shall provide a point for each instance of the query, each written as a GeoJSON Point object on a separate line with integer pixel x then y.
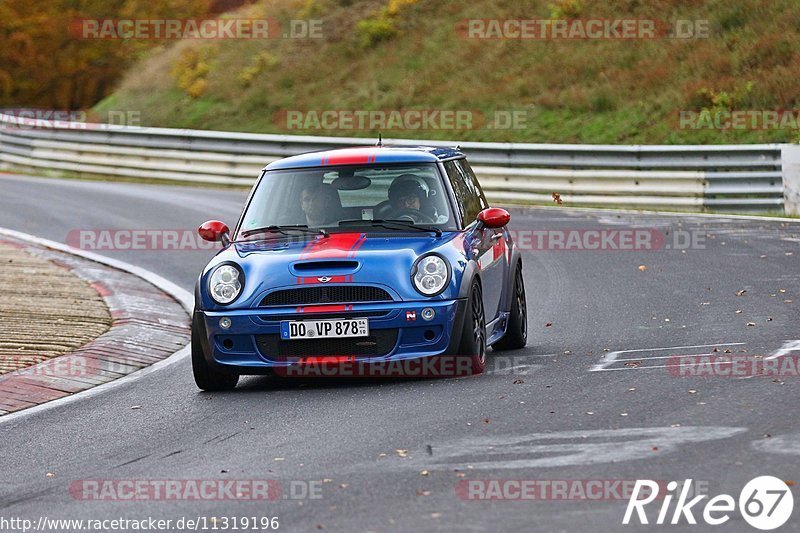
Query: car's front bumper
{"type": "Point", "coordinates": [252, 344]}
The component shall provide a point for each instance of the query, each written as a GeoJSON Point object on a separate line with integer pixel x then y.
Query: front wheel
{"type": "Point", "coordinates": [516, 336]}
{"type": "Point", "coordinates": [206, 377]}
{"type": "Point", "coordinates": [473, 335]}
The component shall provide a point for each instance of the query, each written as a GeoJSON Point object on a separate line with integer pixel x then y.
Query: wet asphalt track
{"type": "Point", "coordinates": [645, 422]}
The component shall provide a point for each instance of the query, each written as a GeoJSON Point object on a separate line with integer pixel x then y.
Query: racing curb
{"type": "Point", "coordinates": [150, 329]}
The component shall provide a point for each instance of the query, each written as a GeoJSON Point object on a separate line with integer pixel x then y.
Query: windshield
{"type": "Point", "coordinates": [344, 198]}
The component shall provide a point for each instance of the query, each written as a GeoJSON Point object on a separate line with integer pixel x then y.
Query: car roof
{"type": "Point", "coordinates": [367, 155]}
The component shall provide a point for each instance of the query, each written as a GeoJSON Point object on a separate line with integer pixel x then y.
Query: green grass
{"type": "Point", "coordinates": [382, 54]}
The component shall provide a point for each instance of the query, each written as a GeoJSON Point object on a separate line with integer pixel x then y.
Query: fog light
{"type": "Point", "coordinates": [428, 313]}
{"type": "Point", "coordinates": [225, 322]}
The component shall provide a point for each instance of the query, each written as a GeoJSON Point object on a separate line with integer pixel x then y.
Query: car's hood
{"type": "Point", "coordinates": [383, 259]}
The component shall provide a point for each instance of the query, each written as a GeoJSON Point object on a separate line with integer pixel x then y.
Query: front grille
{"type": "Point", "coordinates": [334, 294]}
{"type": "Point", "coordinates": [379, 342]}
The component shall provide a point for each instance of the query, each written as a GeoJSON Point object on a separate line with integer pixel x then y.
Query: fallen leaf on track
{"type": "Point", "coordinates": [741, 292]}
{"type": "Point", "coordinates": [642, 268]}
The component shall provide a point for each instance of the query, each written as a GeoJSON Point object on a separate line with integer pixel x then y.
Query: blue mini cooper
{"type": "Point", "coordinates": [359, 258]}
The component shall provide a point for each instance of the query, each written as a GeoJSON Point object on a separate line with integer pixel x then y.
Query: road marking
{"type": "Point", "coordinates": [538, 450]}
{"type": "Point", "coordinates": [788, 444]}
{"type": "Point", "coordinates": [788, 347]}
{"type": "Point", "coordinates": [667, 357]}
{"type": "Point", "coordinates": [663, 366]}
{"type": "Point", "coordinates": [612, 357]}
{"type": "Point", "coordinates": [518, 364]}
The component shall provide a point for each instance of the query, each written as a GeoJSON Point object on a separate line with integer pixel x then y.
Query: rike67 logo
{"type": "Point", "coordinates": [765, 503]}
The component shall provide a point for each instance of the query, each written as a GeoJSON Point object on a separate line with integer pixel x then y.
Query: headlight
{"type": "Point", "coordinates": [431, 274]}
{"type": "Point", "coordinates": [225, 284]}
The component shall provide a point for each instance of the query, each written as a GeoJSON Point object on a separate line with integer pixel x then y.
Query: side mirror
{"type": "Point", "coordinates": [215, 231]}
{"type": "Point", "coordinates": [494, 217]}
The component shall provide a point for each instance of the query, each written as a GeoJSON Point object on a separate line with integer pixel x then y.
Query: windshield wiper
{"type": "Point", "coordinates": [284, 230]}
{"type": "Point", "coordinates": [390, 223]}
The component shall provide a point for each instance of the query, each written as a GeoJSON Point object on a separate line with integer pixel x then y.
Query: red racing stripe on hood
{"type": "Point", "coordinates": [336, 246]}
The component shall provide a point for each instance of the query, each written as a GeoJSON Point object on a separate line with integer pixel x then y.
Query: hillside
{"type": "Point", "coordinates": [406, 54]}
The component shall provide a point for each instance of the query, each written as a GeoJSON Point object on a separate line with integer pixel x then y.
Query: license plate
{"type": "Point", "coordinates": [324, 329]}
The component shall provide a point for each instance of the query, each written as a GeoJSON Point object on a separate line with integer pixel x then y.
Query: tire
{"type": "Point", "coordinates": [473, 334]}
{"type": "Point", "coordinates": [206, 377]}
{"type": "Point", "coordinates": [516, 336]}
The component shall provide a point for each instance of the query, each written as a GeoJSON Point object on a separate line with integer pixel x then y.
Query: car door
{"type": "Point", "coordinates": [487, 245]}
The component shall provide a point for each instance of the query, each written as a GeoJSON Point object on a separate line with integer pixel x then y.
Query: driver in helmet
{"type": "Point", "coordinates": [406, 194]}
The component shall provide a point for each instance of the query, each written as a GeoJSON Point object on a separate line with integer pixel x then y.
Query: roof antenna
{"type": "Point", "coordinates": [380, 140]}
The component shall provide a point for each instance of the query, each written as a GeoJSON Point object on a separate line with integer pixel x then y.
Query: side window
{"type": "Point", "coordinates": [472, 183]}
{"type": "Point", "coordinates": [469, 197]}
{"type": "Point", "coordinates": [459, 188]}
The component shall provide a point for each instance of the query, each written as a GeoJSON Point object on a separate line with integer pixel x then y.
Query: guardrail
{"type": "Point", "coordinates": [723, 177]}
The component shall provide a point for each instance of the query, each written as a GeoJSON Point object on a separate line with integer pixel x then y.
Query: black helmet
{"type": "Point", "coordinates": [406, 185]}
